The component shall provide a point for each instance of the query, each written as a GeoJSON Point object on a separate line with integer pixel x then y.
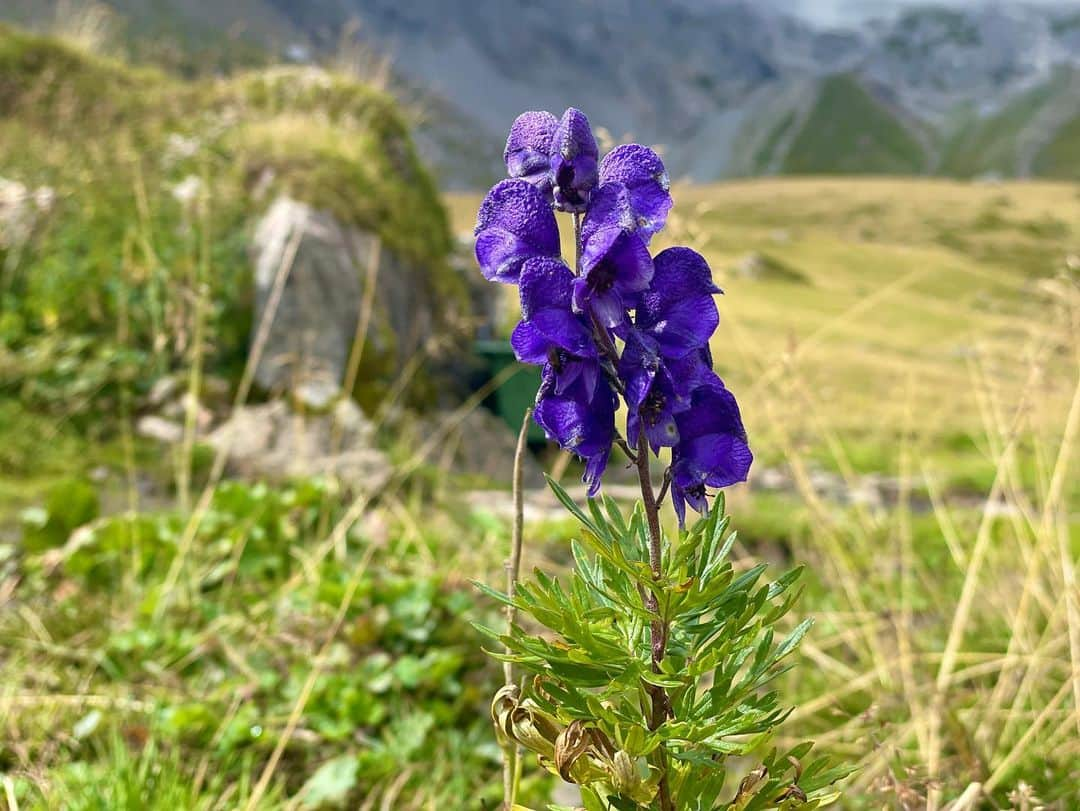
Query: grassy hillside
{"type": "Point", "coordinates": [849, 132]}
{"type": "Point", "coordinates": [1061, 156]}
{"type": "Point", "coordinates": [905, 353]}
{"type": "Point", "coordinates": [1031, 135]}
{"type": "Point", "coordinates": [140, 261]}
{"type": "Point", "coordinates": [143, 189]}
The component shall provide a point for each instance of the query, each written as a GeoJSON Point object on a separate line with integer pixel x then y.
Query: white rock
{"type": "Point", "coordinates": [158, 428]}
{"type": "Point", "coordinates": [271, 441]}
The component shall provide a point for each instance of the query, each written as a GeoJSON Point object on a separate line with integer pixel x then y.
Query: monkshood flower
{"type": "Point", "coordinates": [642, 173]}
{"type": "Point", "coordinates": [579, 422]}
{"type": "Point", "coordinates": [605, 323]}
{"type": "Point", "coordinates": [666, 354]}
{"type": "Point", "coordinates": [574, 157]}
{"type": "Point", "coordinates": [617, 321]}
{"type": "Point", "coordinates": [550, 333]}
{"type": "Point", "coordinates": [678, 310]}
{"type": "Point", "coordinates": [615, 266]}
{"type": "Point", "coordinates": [657, 388]}
{"type": "Point", "coordinates": [712, 450]}
{"type": "Point", "coordinates": [528, 149]}
{"type": "Point", "coordinates": [515, 224]}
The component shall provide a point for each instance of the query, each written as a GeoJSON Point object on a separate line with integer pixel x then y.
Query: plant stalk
{"type": "Point", "coordinates": [511, 753]}
{"type": "Point", "coordinates": [658, 628]}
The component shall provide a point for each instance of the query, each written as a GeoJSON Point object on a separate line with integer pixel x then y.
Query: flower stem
{"type": "Point", "coordinates": [658, 628]}
{"type": "Point", "coordinates": [511, 753]}
{"type": "Point", "coordinates": [577, 244]}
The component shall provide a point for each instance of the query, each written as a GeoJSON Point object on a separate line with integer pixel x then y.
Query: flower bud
{"type": "Point", "coordinates": [502, 706]}
{"type": "Point", "coordinates": [750, 786]}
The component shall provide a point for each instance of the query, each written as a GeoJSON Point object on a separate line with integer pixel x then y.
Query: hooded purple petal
{"type": "Point", "coordinates": [528, 148]}
{"type": "Point", "coordinates": [678, 310]}
{"type": "Point", "coordinates": [653, 395]}
{"type": "Point", "coordinates": [515, 224]}
{"type": "Point", "coordinates": [545, 284]}
{"type": "Point", "coordinates": [579, 423]}
{"type": "Point", "coordinates": [530, 345]}
{"type": "Point", "coordinates": [642, 172]}
{"type": "Point", "coordinates": [546, 305]}
{"type": "Point", "coordinates": [609, 207]}
{"type": "Point", "coordinates": [712, 449]}
{"type": "Point", "coordinates": [574, 156]}
{"type": "Point", "coordinates": [615, 264]}
{"type": "Point", "coordinates": [692, 371]}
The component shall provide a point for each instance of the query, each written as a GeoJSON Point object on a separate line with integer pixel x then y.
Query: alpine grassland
{"type": "Point", "coordinates": [175, 634]}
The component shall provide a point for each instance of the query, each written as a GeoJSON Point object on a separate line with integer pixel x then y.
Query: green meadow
{"type": "Point", "coordinates": [906, 353]}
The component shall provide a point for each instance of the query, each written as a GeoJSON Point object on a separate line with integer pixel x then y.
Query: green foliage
{"type": "Point", "coordinates": [588, 712]}
{"type": "Point", "coordinates": [398, 708]}
{"type": "Point", "coordinates": [147, 778]}
{"type": "Point", "coordinates": [70, 503]}
{"type": "Point", "coordinates": [850, 132]}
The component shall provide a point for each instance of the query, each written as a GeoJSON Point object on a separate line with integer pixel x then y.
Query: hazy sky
{"type": "Point", "coordinates": [839, 11]}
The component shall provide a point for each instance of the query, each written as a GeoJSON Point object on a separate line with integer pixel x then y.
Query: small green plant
{"type": "Point", "coordinates": [588, 711]}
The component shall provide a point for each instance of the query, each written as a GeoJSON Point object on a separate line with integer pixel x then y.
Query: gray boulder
{"type": "Point", "coordinates": [325, 267]}
{"type": "Point", "coordinates": [271, 441]}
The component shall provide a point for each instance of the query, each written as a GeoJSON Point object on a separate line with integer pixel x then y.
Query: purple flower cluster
{"type": "Point", "coordinates": [621, 322]}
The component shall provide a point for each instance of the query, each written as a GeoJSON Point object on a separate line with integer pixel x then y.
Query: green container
{"type": "Point", "coordinates": [517, 393]}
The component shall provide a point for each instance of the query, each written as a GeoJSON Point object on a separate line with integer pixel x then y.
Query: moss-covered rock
{"type": "Point", "coordinates": [159, 182]}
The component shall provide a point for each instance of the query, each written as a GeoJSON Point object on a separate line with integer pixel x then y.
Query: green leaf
{"type": "Point", "coordinates": [571, 505]}
{"type": "Point", "coordinates": [331, 784]}
{"type": "Point", "coordinates": [494, 594]}
{"type": "Point", "coordinates": [782, 583]}
{"type": "Point", "coordinates": [600, 520]}
{"type": "Point", "coordinates": [793, 639]}
{"type": "Point", "coordinates": [659, 681]}
{"type": "Point", "coordinates": [616, 516]}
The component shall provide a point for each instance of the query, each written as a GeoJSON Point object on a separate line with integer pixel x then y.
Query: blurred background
{"type": "Point", "coordinates": [258, 410]}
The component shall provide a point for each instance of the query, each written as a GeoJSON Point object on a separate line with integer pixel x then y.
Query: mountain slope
{"type": "Point", "coordinates": [1061, 156]}
{"type": "Point", "coordinates": [848, 131]}
{"type": "Point", "coordinates": [1011, 141]}
{"type": "Point", "coordinates": [730, 87]}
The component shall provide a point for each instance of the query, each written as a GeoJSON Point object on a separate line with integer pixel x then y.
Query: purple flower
{"type": "Point", "coordinates": [550, 333]}
{"type": "Point", "coordinates": [658, 388]}
{"type": "Point", "coordinates": [652, 396]}
{"type": "Point", "coordinates": [515, 224]}
{"type": "Point", "coordinates": [528, 149]}
{"type": "Point", "coordinates": [663, 310]}
{"type": "Point", "coordinates": [574, 156]}
{"type": "Point", "coordinates": [678, 310]}
{"type": "Point", "coordinates": [712, 450]}
{"type": "Point", "coordinates": [581, 423]}
{"type": "Point", "coordinates": [615, 267]}
{"type": "Point", "coordinates": [609, 207]}
{"type": "Point", "coordinates": [666, 356]}
{"type": "Point", "coordinates": [642, 173]}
